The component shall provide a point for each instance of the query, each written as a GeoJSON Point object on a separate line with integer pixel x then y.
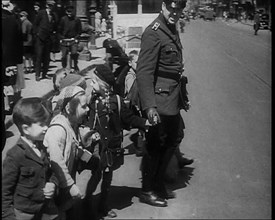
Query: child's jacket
{"type": "Point", "coordinates": [23, 179]}
{"type": "Point", "coordinates": [109, 122]}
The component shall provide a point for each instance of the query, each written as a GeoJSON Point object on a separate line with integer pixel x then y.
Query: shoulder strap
{"type": "Point", "coordinates": [51, 125]}
{"type": "Point", "coordinates": [55, 124]}
{"type": "Point", "coordinates": [119, 105]}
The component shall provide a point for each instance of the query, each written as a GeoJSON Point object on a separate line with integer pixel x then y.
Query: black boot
{"type": "Point", "coordinates": [182, 161]}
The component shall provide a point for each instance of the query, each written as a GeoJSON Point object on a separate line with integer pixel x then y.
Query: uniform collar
{"type": "Point", "coordinates": [171, 27]}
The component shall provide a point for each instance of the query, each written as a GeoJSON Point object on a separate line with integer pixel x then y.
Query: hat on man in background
{"type": "Point", "coordinates": [37, 4]}
{"type": "Point", "coordinates": [5, 3]}
{"type": "Point", "coordinates": [24, 13]}
{"type": "Point", "coordinates": [104, 72]}
{"type": "Point", "coordinates": [50, 2]}
{"type": "Point", "coordinates": [69, 8]}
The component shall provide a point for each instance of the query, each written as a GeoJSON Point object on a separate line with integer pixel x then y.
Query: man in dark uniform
{"type": "Point", "coordinates": [44, 25]}
{"type": "Point", "coordinates": [159, 76]}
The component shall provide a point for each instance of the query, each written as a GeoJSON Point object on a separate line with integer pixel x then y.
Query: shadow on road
{"type": "Point", "coordinates": [121, 196]}
{"type": "Point", "coordinates": [182, 179]}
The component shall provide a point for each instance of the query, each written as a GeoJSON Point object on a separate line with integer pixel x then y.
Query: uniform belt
{"type": "Point", "coordinates": [175, 76]}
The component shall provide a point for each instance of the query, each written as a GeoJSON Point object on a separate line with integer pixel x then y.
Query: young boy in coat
{"type": "Point", "coordinates": [27, 182]}
{"type": "Point", "coordinates": [108, 115]}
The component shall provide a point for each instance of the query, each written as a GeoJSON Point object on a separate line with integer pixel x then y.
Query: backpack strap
{"type": "Point", "coordinates": [51, 125]}
{"type": "Point", "coordinates": [119, 105]}
{"type": "Point", "coordinates": [119, 113]}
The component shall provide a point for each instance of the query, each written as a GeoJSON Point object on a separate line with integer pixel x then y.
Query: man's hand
{"type": "Point", "coordinates": [49, 190]}
{"type": "Point", "coordinates": [153, 116]}
{"type": "Point", "coordinates": [75, 192]}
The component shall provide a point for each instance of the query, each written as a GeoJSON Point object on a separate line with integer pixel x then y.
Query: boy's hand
{"type": "Point", "coordinates": [147, 123]}
{"type": "Point", "coordinates": [95, 137]}
{"type": "Point", "coordinates": [75, 192]}
{"type": "Point", "coordinates": [153, 116]}
{"type": "Point", "coordinates": [49, 190]}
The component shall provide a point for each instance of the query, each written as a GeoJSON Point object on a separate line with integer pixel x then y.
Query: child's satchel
{"type": "Point", "coordinates": [113, 155]}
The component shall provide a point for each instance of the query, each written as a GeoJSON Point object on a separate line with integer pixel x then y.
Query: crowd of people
{"type": "Point", "coordinates": [75, 131]}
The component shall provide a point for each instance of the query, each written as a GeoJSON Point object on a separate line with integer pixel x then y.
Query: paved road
{"type": "Point", "coordinates": [228, 131]}
{"type": "Point", "coordinates": [229, 125]}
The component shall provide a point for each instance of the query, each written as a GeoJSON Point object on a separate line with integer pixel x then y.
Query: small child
{"type": "Point", "coordinates": [27, 181]}
{"type": "Point", "coordinates": [63, 81]}
{"type": "Point", "coordinates": [63, 143]}
{"type": "Point", "coordinates": [131, 75]}
{"type": "Point", "coordinates": [108, 115]}
{"type": "Point", "coordinates": [131, 96]}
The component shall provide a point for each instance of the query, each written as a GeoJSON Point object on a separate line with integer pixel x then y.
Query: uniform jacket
{"type": "Point", "coordinates": [12, 39]}
{"type": "Point", "coordinates": [111, 123]}
{"type": "Point", "coordinates": [160, 55]}
{"type": "Point", "coordinates": [23, 179]}
{"type": "Point", "coordinates": [69, 27]}
{"type": "Point", "coordinates": [42, 26]}
{"type": "Point", "coordinates": [62, 142]}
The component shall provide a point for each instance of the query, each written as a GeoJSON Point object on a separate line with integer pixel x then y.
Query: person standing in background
{"type": "Point", "coordinates": [59, 12]}
{"type": "Point", "coordinates": [44, 26]}
{"type": "Point", "coordinates": [12, 47]}
{"type": "Point", "coordinates": [256, 25]}
{"type": "Point", "coordinates": [36, 8]}
{"type": "Point", "coordinates": [28, 44]}
{"type": "Point", "coordinates": [69, 28]}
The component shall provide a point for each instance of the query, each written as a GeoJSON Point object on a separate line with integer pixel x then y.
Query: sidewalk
{"type": "Point", "coordinates": [44, 87]}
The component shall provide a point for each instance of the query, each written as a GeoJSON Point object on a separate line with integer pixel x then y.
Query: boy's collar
{"type": "Point", "coordinates": [29, 142]}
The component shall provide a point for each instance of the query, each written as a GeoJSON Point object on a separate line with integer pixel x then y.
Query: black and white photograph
{"type": "Point", "coordinates": [136, 109]}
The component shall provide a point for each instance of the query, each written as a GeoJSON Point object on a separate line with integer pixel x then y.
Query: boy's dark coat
{"type": "Point", "coordinates": [23, 179]}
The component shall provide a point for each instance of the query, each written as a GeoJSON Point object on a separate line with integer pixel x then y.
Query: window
{"type": "Point", "coordinates": [151, 6]}
{"type": "Point", "coordinates": [127, 6]}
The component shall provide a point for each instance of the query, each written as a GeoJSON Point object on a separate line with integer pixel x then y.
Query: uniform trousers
{"type": "Point", "coordinates": [162, 141]}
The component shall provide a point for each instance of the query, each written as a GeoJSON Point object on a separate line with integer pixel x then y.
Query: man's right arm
{"type": "Point", "coordinates": [146, 68]}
